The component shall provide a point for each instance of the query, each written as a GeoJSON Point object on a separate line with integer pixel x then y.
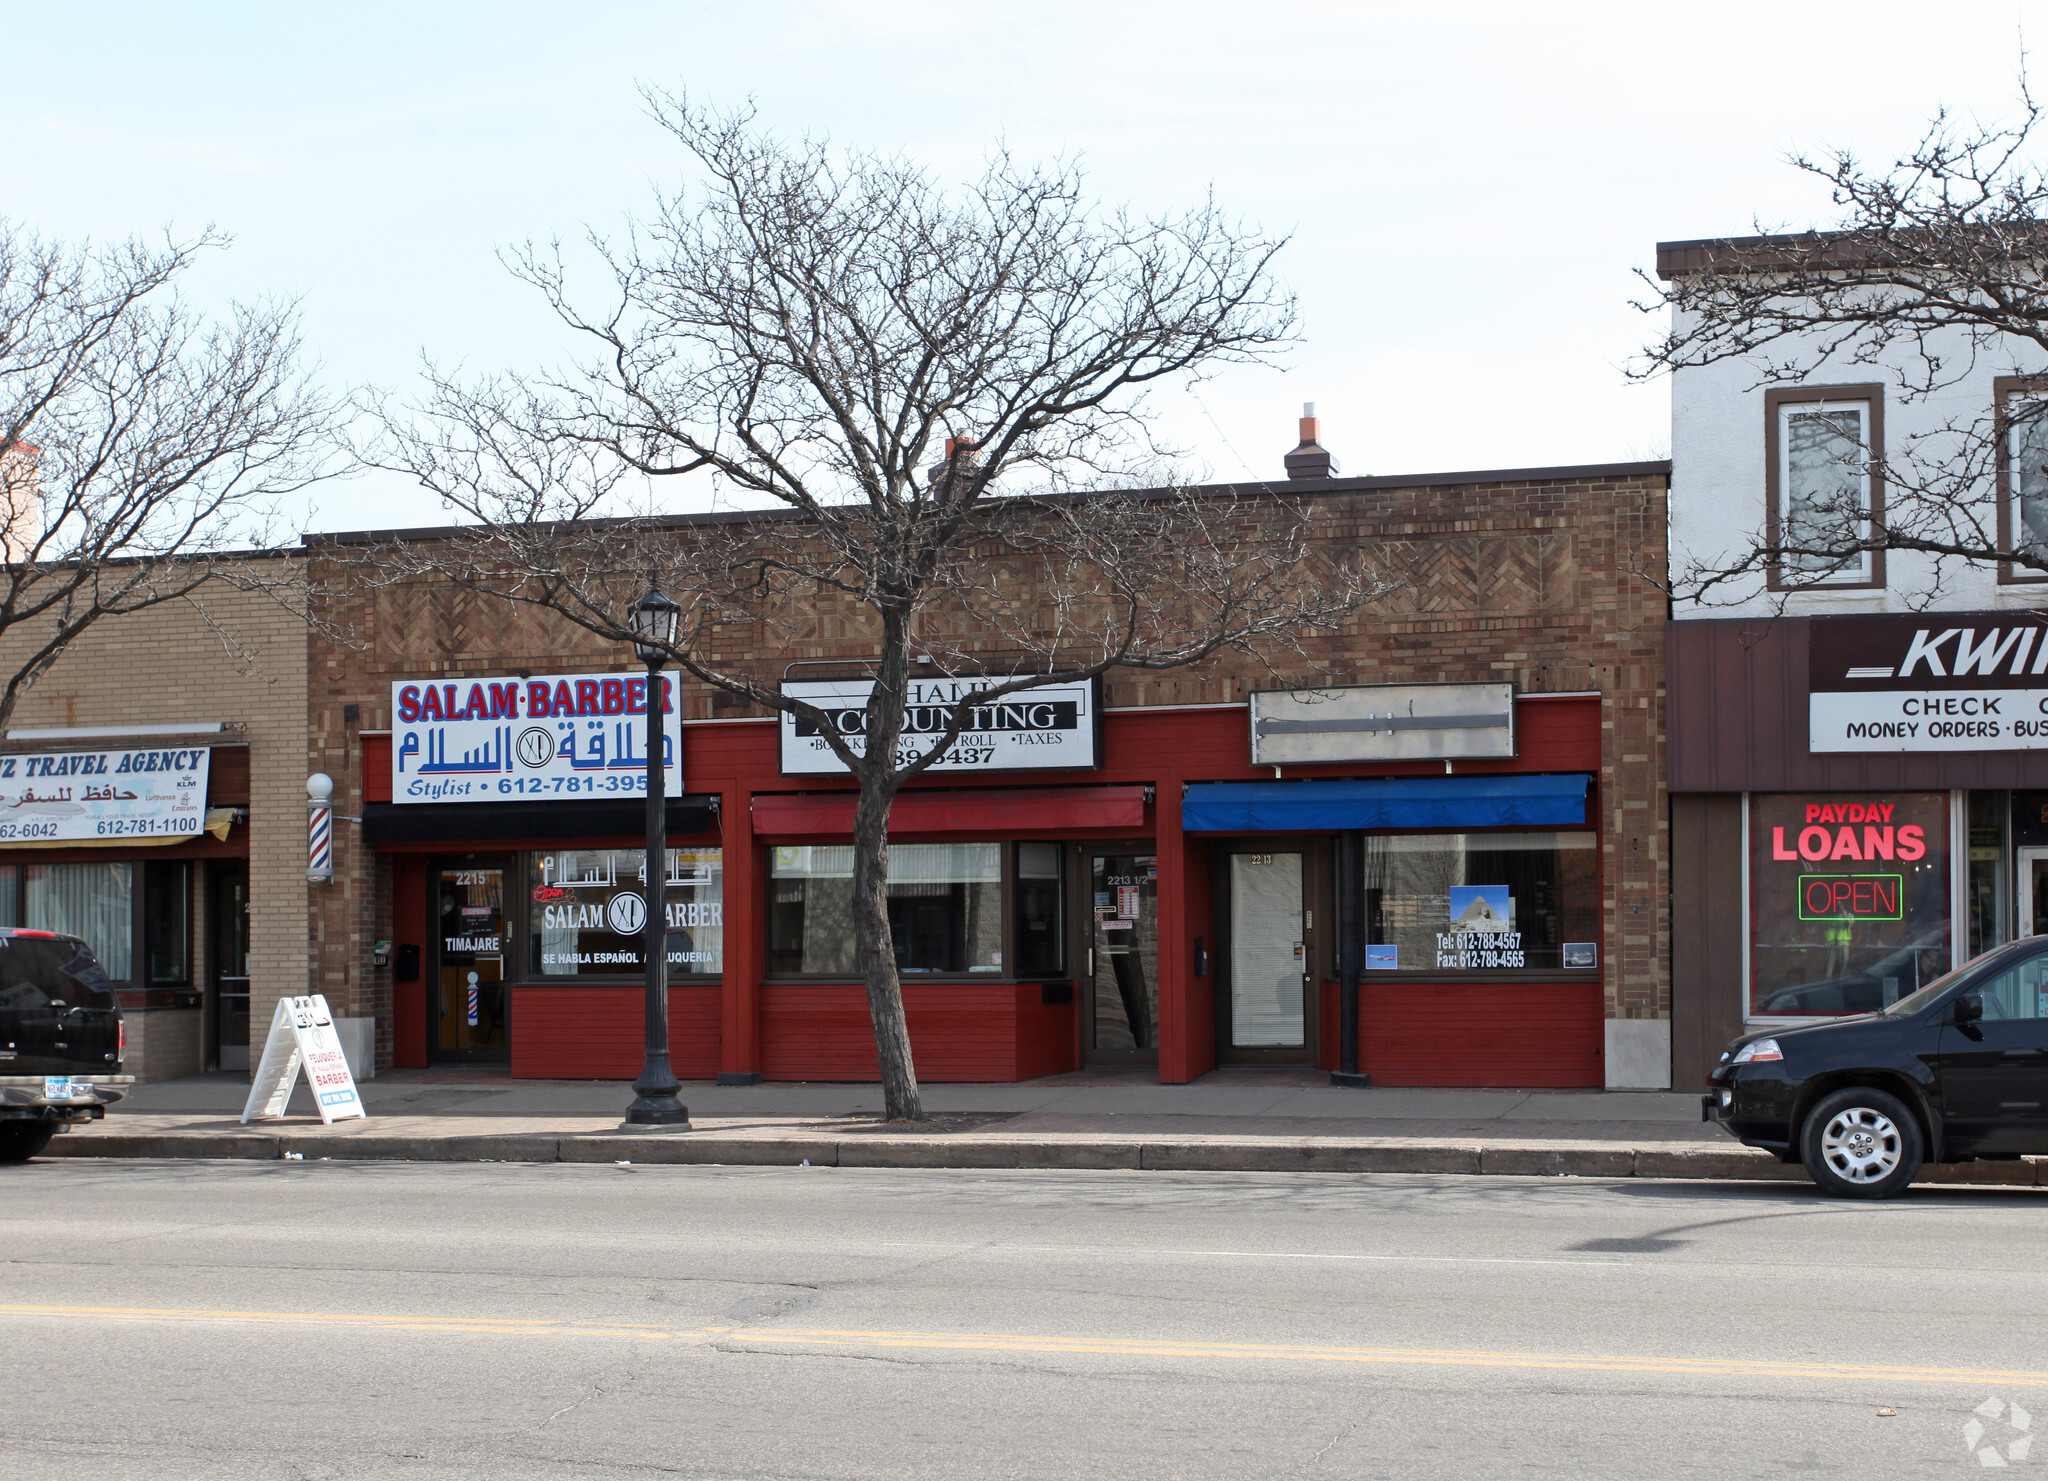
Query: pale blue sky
{"type": "Point", "coordinates": [1469, 185]}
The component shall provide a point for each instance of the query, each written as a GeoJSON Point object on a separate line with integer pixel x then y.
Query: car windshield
{"type": "Point", "coordinates": [1914, 1002]}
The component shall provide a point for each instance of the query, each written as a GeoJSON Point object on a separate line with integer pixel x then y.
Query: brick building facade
{"type": "Point", "coordinates": [1542, 578]}
{"type": "Point", "coordinates": [226, 670]}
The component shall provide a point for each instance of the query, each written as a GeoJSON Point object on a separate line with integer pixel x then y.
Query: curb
{"type": "Point", "coordinates": [1707, 1163]}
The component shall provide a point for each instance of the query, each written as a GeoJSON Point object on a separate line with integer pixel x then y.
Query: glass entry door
{"type": "Point", "coordinates": [1122, 985]}
{"type": "Point", "coordinates": [468, 1016]}
{"type": "Point", "coordinates": [227, 892]}
{"type": "Point", "coordinates": [1268, 958]}
{"type": "Point", "coordinates": [2030, 901]}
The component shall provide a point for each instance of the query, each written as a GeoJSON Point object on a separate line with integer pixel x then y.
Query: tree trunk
{"type": "Point", "coordinates": [876, 952]}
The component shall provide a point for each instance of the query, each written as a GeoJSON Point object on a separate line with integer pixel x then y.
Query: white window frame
{"type": "Point", "coordinates": [1860, 572]}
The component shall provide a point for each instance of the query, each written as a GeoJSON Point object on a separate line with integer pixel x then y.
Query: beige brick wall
{"type": "Point", "coordinates": [225, 655]}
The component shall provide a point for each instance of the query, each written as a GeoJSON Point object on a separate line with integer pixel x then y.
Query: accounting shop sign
{"type": "Point", "coordinates": [1948, 681]}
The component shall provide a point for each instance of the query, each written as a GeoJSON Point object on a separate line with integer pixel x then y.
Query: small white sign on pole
{"type": "Point", "coordinates": [302, 1033]}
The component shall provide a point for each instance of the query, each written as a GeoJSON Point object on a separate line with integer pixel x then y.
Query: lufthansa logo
{"type": "Point", "coordinates": [627, 914]}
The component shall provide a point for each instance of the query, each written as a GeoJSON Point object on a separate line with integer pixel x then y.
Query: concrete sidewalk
{"type": "Point", "coordinates": [1232, 1120]}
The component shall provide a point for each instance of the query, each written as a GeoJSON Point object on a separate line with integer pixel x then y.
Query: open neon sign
{"type": "Point", "coordinates": [1851, 897]}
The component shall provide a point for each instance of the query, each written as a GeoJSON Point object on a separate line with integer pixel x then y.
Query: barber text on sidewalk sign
{"type": "Point", "coordinates": [302, 1036]}
{"type": "Point", "coordinates": [156, 792]}
{"type": "Point", "coordinates": [1050, 727]}
{"type": "Point", "coordinates": [1937, 681]}
{"type": "Point", "coordinates": [562, 736]}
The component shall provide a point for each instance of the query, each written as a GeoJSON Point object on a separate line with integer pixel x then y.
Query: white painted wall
{"type": "Point", "coordinates": [1717, 486]}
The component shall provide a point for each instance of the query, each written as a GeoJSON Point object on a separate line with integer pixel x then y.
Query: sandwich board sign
{"type": "Point", "coordinates": [302, 1033]}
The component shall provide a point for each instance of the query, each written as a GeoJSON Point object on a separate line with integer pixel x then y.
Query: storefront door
{"type": "Point", "coordinates": [1268, 976]}
{"type": "Point", "coordinates": [227, 893]}
{"type": "Point", "coordinates": [468, 1010]}
{"type": "Point", "coordinates": [2031, 916]}
{"type": "Point", "coordinates": [1120, 990]}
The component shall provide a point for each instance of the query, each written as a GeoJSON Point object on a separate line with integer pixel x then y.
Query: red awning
{"type": "Point", "coordinates": [993, 812]}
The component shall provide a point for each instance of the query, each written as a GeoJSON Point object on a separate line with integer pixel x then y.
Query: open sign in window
{"type": "Point", "coordinates": [1852, 897]}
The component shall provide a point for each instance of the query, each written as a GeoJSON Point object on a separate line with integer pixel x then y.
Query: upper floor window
{"type": "Point", "coordinates": [2023, 472]}
{"type": "Point", "coordinates": [1826, 443]}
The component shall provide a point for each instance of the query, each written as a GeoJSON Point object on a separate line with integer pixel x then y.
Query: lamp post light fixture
{"type": "Point", "coordinates": [653, 619]}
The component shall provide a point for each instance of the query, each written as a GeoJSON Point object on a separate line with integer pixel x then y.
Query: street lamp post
{"type": "Point", "coordinates": [654, 619]}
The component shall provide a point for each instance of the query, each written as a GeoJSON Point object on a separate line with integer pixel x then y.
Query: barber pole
{"type": "Point", "coordinates": [319, 828]}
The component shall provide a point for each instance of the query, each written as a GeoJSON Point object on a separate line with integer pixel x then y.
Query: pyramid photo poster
{"type": "Point", "coordinates": [1482, 908]}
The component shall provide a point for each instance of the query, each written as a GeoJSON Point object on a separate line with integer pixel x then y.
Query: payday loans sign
{"type": "Point", "coordinates": [65, 796]}
{"type": "Point", "coordinates": [559, 737]}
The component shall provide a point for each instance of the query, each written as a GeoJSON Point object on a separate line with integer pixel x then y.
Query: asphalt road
{"type": "Point", "coordinates": [412, 1320]}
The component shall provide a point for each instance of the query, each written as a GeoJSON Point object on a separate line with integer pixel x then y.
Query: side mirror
{"type": "Point", "coordinates": [1969, 1008]}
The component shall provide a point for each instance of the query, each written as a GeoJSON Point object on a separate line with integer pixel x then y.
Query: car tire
{"type": "Point", "coordinates": [21, 1140]}
{"type": "Point", "coordinates": [1861, 1143]}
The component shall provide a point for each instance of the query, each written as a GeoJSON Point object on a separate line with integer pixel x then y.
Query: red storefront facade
{"type": "Point", "coordinates": [1528, 1028]}
{"type": "Point", "coordinates": [1094, 917]}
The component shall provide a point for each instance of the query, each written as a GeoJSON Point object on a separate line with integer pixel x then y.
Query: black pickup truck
{"type": "Point", "coordinates": [61, 1039]}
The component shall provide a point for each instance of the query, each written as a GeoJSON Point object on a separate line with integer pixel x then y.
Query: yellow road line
{"type": "Point", "coordinates": [1142, 1347]}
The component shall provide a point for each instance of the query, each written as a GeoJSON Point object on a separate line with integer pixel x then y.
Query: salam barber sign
{"type": "Point", "coordinates": [562, 736]}
{"type": "Point", "coordinates": [1951, 681]}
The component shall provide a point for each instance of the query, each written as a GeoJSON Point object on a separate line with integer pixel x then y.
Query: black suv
{"type": "Point", "coordinates": [1955, 1072]}
{"type": "Point", "coordinates": [61, 1039]}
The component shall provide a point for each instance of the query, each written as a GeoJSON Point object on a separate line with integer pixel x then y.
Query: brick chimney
{"type": "Point", "coordinates": [1310, 459]}
{"type": "Point", "coordinates": [949, 480]}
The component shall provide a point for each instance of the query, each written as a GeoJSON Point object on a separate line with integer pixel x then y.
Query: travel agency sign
{"type": "Point", "coordinates": [70, 796]}
{"type": "Point", "coordinates": [540, 738]}
{"type": "Point", "coordinates": [1936, 681]}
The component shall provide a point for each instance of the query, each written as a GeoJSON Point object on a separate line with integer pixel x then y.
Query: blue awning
{"type": "Point", "coordinates": [1391, 802]}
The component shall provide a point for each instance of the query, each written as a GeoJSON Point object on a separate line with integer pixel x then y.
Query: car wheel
{"type": "Point", "coordinates": [21, 1140]}
{"type": "Point", "coordinates": [1861, 1143]}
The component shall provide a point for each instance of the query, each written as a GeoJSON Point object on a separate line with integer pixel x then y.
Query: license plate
{"type": "Point", "coordinates": [58, 1087]}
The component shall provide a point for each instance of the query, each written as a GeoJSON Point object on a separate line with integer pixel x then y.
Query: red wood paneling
{"type": "Point", "coordinates": [599, 1033]}
{"type": "Point", "coordinates": [1519, 1034]}
{"type": "Point", "coordinates": [995, 811]}
{"type": "Point", "coordinates": [376, 767]}
{"type": "Point", "coordinates": [961, 1032]}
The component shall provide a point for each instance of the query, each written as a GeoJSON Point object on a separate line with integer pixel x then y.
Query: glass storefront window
{"type": "Point", "coordinates": [167, 923]}
{"type": "Point", "coordinates": [588, 912]}
{"type": "Point", "coordinates": [95, 902]}
{"type": "Point", "coordinates": [945, 908]}
{"type": "Point", "coordinates": [1041, 937]}
{"type": "Point", "coordinates": [1482, 901]}
{"type": "Point", "coordinates": [1849, 899]}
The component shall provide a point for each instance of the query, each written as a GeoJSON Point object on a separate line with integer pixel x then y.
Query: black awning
{"type": "Point", "coordinates": [501, 822]}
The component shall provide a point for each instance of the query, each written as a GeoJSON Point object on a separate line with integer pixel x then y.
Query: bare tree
{"type": "Point", "coordinates": [1936, 269]}
{"type": "Point", "coordinates": [139, 439]}
{"type": "Point", "coordinates": [919, 383]}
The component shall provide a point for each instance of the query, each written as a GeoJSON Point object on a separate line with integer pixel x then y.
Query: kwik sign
{"type": "Point", "coordinates": [1961, 681]}
{"type": "Point", "coordinates": [560, 736]}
